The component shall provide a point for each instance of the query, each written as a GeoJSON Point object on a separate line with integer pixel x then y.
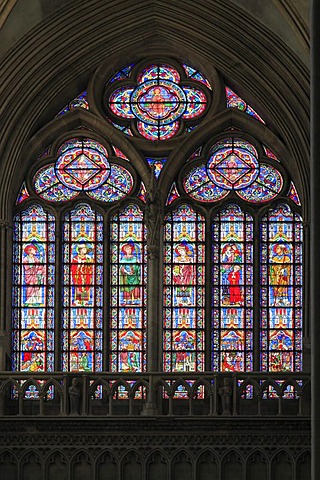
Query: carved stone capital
{"type": "Point", "coordinates": [153, 252]}
{"type": "Point", "coordinates": [4, 224]}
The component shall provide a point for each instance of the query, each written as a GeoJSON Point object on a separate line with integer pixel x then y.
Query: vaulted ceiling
{"type": "Point", "coordinates": [49, 52]}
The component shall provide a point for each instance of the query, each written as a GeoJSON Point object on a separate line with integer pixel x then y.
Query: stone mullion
{"type": "Point", "coordinates": [154, 310]}
{"type": "Point", "coordinates": [256, 296]}
{"type": "Point", "coordinates": [153, 219]}
{"type": "Point", "coordinates": [58, 295]}
{"type": "Point", "coordinates": [106, 309]}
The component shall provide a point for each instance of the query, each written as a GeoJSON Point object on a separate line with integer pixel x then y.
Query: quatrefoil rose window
{"type": "Point", "coordinates": [157, 101]}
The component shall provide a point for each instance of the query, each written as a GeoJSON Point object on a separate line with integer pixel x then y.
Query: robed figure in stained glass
{"type": "Point", "coordinates": [82, 275]}
{"type": "Point", "coordinates": [231, 255]}
{"type": "Point", "coordinates": [280, 270]}
{"type": "Point", "coordinates": [34, 273]}
{"type": "Point", "coordinates": [235, 293]}
{"type": "Point", "coordinates": [183, 273]}
{"type": "Point", "coordinates": [155, 106]}
{"type": "Point", "coordinates": [130, 274]}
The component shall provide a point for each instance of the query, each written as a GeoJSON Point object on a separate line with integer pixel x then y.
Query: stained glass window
{"type": "Point", "coordinates": [80, 101]}
{"type": "Point", "coordinates": [142, 193]}
{"type": "Point", "coordinates": [232, 164]}
{"type": "Point", "coordinates": [196, 75]}
{"type": "Point", "coordinates": [234, 101]}
{"type": "Point", "coordinates": [33, 290]}
{"type": "Point", "coordinates": [23, 194]}
{"type": "Point", "coordinates": [123, 73]}
{"type": "Point", "coordinates": [200, 187]}
{"type": "Point", "coordinates": [270, 154]}
{"type": "Point", "coordinates": [173, 194]}
{"type": "Point", "coordinates": [232, 292]}
{"type": "Point", "coordinates": [158, 100]}
{"type": "Point", "coordinates": [184, 295]}
{"type": "Point", "coordinates": [82, 166]}
{"type": "Point", "coordinates": [157, 164]}
{"type": "Point", "coordinates": [281, 290]}
{"type": "Point", "coordinates": [99, 264]}
{"type": "Point", "coordinates": [82, 290]}
{"type": "Point", "coordinates": [128, 291]}
{"type": "Point", "coordinates": [293, 194]}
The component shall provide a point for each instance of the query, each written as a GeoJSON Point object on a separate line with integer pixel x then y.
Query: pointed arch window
{"type": "Point", "coordinates": [232, 291]}
{"type": "Point", "coordinates": [60, 319]}
{"type": "Point", "coordinates": [232, 244]}
{"type": "Point", "coordinates": [281, 294]}
{"type": "Point", "coordinates": [248, 271]}
{"type": "Point", "coordinates": [33, 290]}
{"type": "Point", "coordinates": [82, 290]}
{"type": "Point", "coordinates": [184, 290]}
{"type": "Point", "coordinates": [128, 291]}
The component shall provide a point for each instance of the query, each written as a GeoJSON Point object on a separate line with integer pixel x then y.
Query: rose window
{"type": "Point", "coordinates": [160, 104]}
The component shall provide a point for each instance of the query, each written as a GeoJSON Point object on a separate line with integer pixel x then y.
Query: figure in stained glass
{"type": "Point", "coordinates": [130, 344]}
{"type": "Point", "coordinates": [235, 293]}
{"type": "Point", "coordinates": [128, 291]}
{"type": "Point", "coordinates": [227, 363]}
{"type": "Point", "coordinates": [281, 346]}
{"type": "Point", "coordinates": [280, 269]}
{"type": "Point", "coordinates": [81, 340]}
{"type": "Point", "coordinates": [183, 273]}
{"type": "Point", "coordinates": [231, 253]}
{"type": "Point", "coordinates": [82, 275]}
{"type": "Point", "coordinates": [32, 362]}
{"type": "Point", "coordinates": [158, 103]}
{"type": "Point", "coordinates": [32, 341]}
{"type": "Point", "coordinates": [184, 292]}
{"type": "Point", "coordinates": [34, 275]}
{"type": "Point", "coordinates": [154, 105]}
{"type": "Point", "coordinates": [130, 273]}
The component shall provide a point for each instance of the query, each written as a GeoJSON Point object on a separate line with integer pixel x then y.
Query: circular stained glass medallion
{"type": "Point", "coordinates": [48, 187]}
{"type": "Point", "coordinates": [266, 187]}
{"type": "Point", "coordinates": [156, 102]}
{"type": "Point", "coordinates": [83, 166]}
{"type": "Point", "coordinates": [233, 166]}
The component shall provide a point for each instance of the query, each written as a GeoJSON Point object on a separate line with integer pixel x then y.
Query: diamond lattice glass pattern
{"type": "Point", "coordinates": [83, 166]}
{"type": "Point", "coordinates": [234, 165]}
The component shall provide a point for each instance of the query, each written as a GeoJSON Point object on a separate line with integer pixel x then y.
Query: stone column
{"type": "Point", "coordinates": [5, 341]}
{"type": "Point", "coordinates": [154, 223]}
{"type": "Point", "coordinates": [315, 237]}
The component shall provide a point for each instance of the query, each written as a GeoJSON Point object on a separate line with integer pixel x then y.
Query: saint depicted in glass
{"type": "Point", "coordinates": [128, 291]}
{"type": "Point", "coordinates": [33, 290]}
{"type": "Point", "coordinates": [232, 290]}
{"type": "Point", "coordinates": [158, 98]}
{"type": "Point", "coordinates": [82, 290]}
{"type": "Point", "coordinates": [281, 296]}
{"type": "Point", "coordinates": [184, 291]}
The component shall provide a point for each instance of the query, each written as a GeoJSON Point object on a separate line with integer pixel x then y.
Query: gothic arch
{"type": "Point", "coordinates": [252, 72]}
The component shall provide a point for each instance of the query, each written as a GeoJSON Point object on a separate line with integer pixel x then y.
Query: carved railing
{"type": "Point", "coordinates": [149, 394]}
